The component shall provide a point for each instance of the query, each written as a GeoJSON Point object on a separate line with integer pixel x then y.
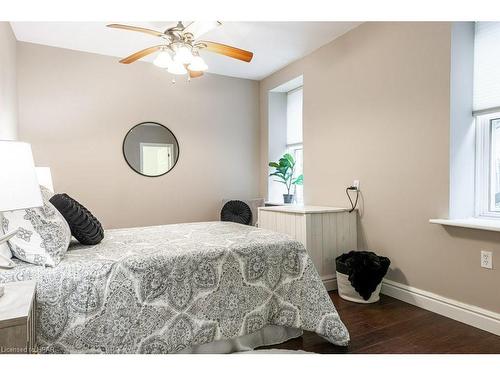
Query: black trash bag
{"type": "Point", "coordinates": [365, 269]}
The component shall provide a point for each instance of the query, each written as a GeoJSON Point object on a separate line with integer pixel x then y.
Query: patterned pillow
{"type": "Point", "coordinates": [43, 236]}
{"type": "Point", "coordinates": [84, 226]}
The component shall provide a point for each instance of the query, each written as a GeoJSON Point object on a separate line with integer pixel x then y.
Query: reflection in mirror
{"type": "Point", "coordinates": [150, 149]}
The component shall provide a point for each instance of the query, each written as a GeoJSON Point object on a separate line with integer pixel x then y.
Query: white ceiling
{"type": "Point", "coordinates": [274, 44]}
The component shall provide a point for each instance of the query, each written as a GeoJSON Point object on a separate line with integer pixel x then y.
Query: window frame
{"type": "Point", "coordinates": [293, 148]}
{"type": "Point", "coordinates": [484, 172]}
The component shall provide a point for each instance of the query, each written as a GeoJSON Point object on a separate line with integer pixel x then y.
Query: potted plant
{"type": "Point", "coordinates": [284, 170]}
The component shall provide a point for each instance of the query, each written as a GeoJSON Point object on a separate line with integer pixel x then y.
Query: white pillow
{"type": "Point", "coordinates": [43, 236]}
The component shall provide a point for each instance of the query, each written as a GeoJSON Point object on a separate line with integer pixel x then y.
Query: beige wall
{"type": "Point", "coordinates": [8, 95]}
{"type": "Point", "coordinates": [377, 109]}
{"type": "Point", "coordinates": [75, 109]}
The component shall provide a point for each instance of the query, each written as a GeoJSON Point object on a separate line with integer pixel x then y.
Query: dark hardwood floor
{"type": "Point", "coordinates": [392, 326]}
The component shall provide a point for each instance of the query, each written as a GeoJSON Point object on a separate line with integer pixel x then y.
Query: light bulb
{"type": "Point", "coordinates": [163, 60]}
{"type": "Point", "coordinates": [198, 65]}
{"type": "Point", "coordinates": [183, 54]}
{"type": "Point", "coordinates": [176, 68]}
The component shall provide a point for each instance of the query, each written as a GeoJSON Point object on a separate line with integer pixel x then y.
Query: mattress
{"type": "Point", "coordinates": [165, 289]}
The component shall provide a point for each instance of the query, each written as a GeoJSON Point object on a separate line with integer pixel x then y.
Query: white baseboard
{"type": "Point", "coordinates": [468, 314]}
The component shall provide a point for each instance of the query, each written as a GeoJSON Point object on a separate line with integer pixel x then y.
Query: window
{"type": "Point", "coordinates": [285, 135]}
{"type": "Point", "coordinates": [294, 143]}
{"type": "Point", "coordinates": [486, 109]}
{"type": "Point", "coordinates": [488, 165]}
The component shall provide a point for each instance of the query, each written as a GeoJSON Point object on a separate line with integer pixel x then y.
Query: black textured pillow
{"type": "Point", "coordinates": [84, 226]}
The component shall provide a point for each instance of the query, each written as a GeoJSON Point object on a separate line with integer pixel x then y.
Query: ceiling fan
{"type": "Point", "coordinates": [180, 47]}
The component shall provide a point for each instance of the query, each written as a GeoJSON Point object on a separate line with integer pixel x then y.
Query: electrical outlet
{"type": "Point", "coordinates": [356, 184]}
{"type": "Point", "coordinates": [486, 259]}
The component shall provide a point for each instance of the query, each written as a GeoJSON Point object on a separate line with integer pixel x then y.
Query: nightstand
{"type": "Point", "coordinates": [17, 318]}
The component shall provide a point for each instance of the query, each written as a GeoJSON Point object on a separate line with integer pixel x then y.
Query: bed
{"type": "Point", "coordinates": [172, 288]}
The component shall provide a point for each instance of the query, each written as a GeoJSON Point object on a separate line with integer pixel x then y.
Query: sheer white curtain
{"type": "Point", "coordinates": [294, 116]}
{"type": "Point", "coordinates": [487, 67]}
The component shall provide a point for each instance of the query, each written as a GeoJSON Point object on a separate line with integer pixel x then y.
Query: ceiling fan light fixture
{"type": "Point", "coordinates": [198, 64]}
{"type": "Point", "coordinates": [183, 54]}
{"type": "Point", "coordinates": [177, 68]}
{"type": "Point", "coordinates": [163, 60]}
{"type": "Point", "coordinates": [178, 52]}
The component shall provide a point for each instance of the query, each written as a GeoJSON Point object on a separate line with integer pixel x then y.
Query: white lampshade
{"type": "Point", "coordinates": [163, 60]}
{"type": "Point", "coordinates": [198, 65]}
{"type": "Point", "coordinates": [44, 177]}
{"type": "Point", "coordinates": [19, 187]}
{"type": "Point", "coordinates": [177, 68]}
{"type": "Point", "coordinates": [183, 55]}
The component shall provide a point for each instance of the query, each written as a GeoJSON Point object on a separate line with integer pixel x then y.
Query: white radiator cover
{"type": "Point", "coordinates": [326, 232]}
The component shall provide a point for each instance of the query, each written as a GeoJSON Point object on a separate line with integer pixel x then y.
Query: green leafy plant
{"type": "Point", "coordinates": [284, 170]}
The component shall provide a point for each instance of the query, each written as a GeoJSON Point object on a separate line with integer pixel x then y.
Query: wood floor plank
{"type": "Point", "coordinates": [392, 326]}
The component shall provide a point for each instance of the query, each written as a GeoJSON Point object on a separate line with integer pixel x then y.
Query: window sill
{"type": "Point", "coordinates": [473, 223]}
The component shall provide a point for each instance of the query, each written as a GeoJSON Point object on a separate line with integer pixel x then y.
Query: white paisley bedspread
{"type": "Point", "coordinates": [165, 288]}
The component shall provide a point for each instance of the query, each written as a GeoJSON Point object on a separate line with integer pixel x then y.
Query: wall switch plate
{"type": "Point", "coordinates": [487, 259]}
{"type": "Point", "coordinates": [356, 184]}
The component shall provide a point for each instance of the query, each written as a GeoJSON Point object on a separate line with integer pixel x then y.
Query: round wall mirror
{"type": "Point", "coordinates": [150, 149]}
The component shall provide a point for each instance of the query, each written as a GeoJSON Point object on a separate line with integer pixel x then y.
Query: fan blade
{"type": "Point", "coordinates": [140, 54]}
{"type": "Point", "coordinates": [199, 28]}
{"type": "Point", "coordinates": [194, 74]}
{"type": "Point", "coordinates": [233, 52]}
{"type": "Point", "coordinates": [134, 28]}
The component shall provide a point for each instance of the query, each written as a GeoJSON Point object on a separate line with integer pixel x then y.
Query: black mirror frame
{"type": "Point", "coordinates": [156, 123]}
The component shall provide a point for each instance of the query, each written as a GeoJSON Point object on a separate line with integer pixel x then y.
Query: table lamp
{"type": "Point", "coordinates": [19, 188]}
{"type": "Point", "coordinates": [45, 178]}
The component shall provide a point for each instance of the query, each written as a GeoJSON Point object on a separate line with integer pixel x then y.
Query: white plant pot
{"type": "Point", "coordinates": [347, 292]}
